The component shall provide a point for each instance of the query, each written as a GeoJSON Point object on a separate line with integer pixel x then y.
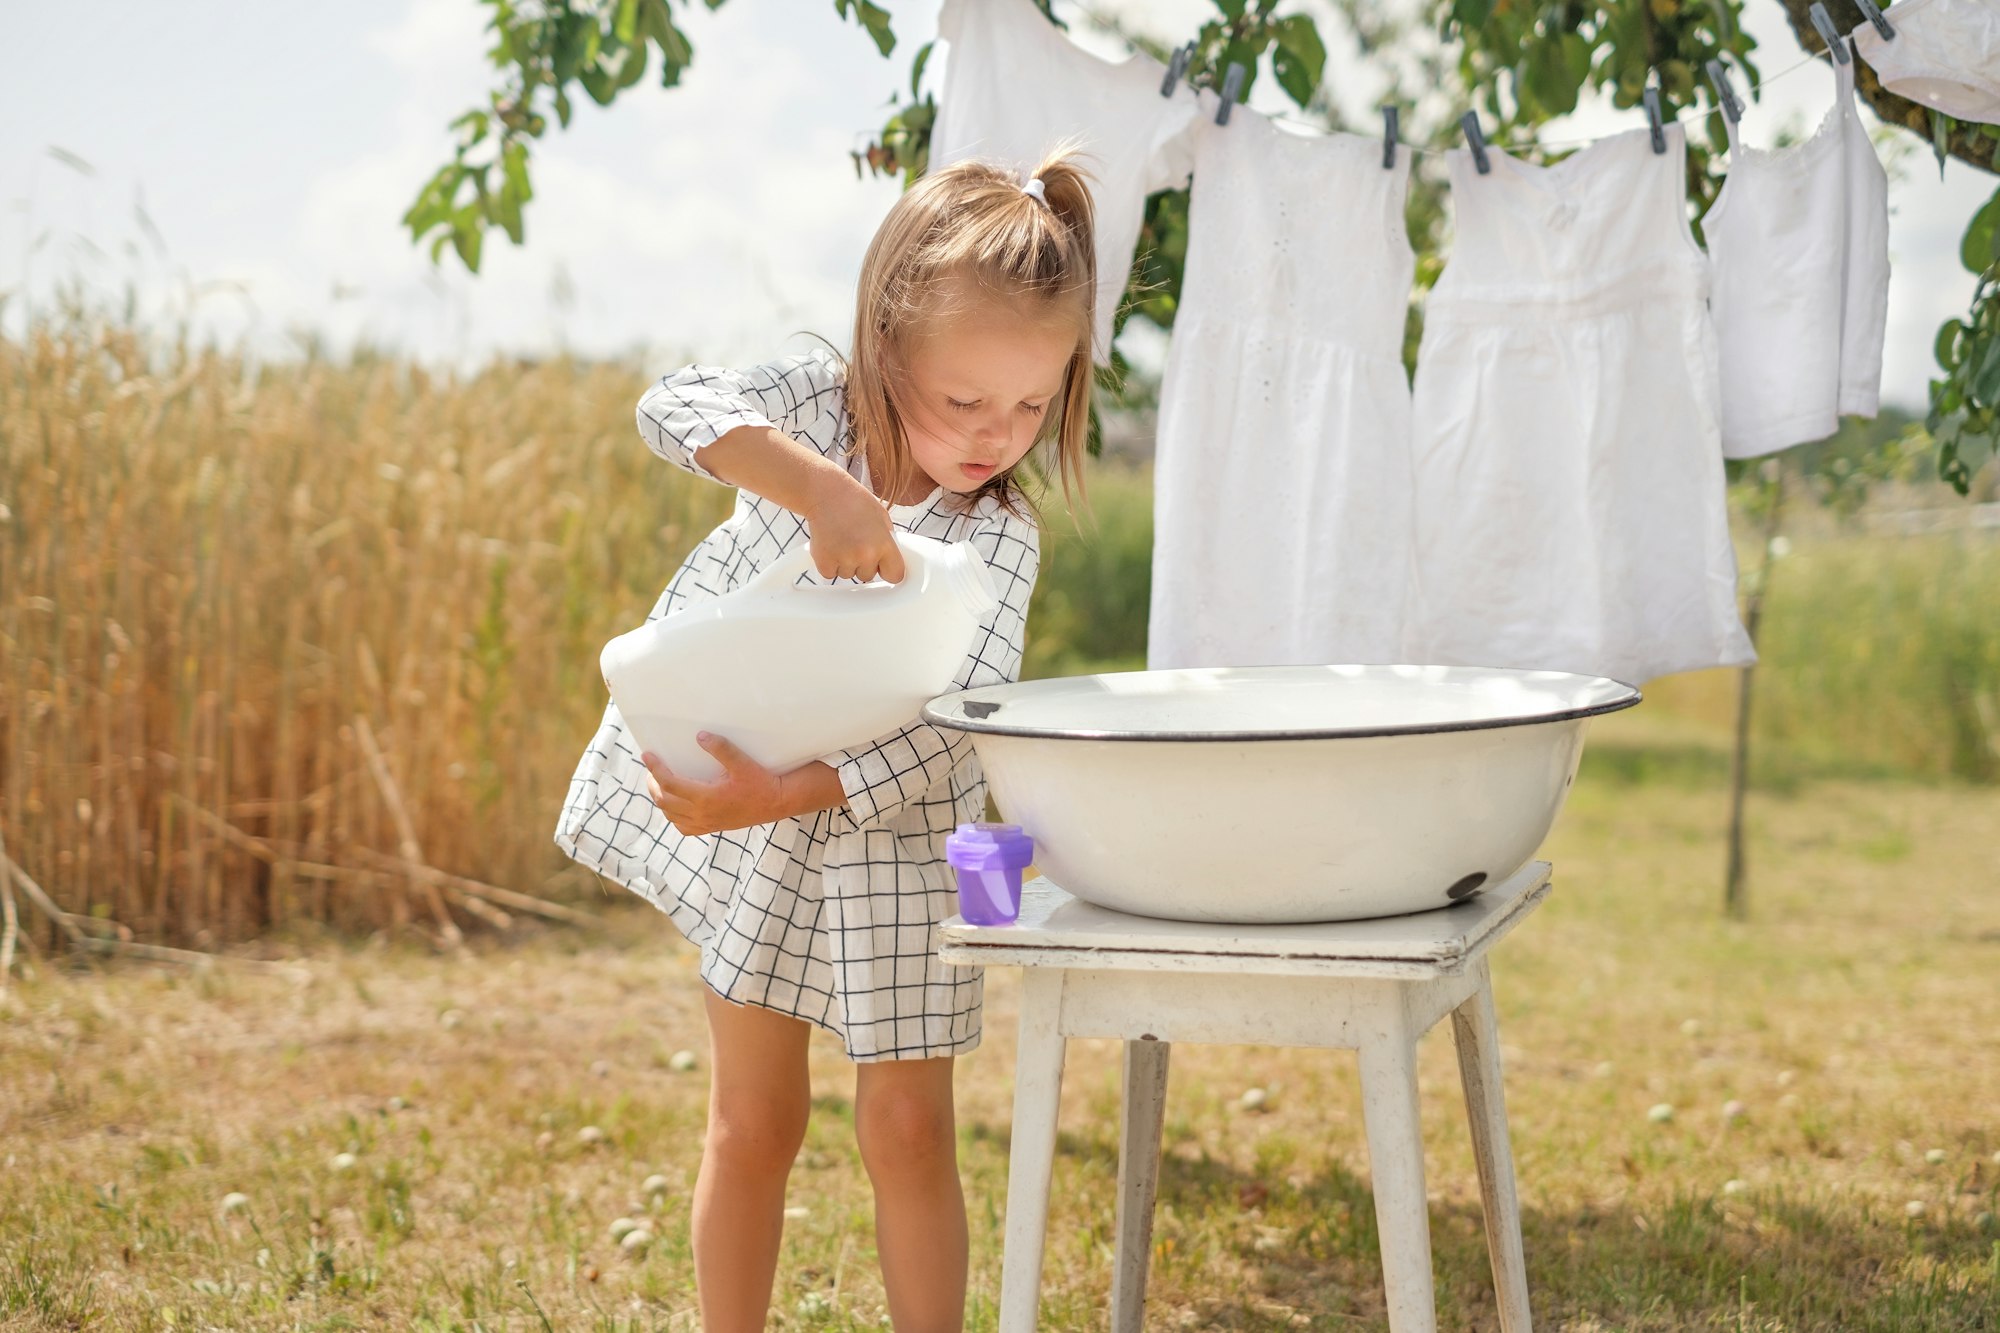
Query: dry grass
{"type": "Point", "coordinates": [1853, 1016]}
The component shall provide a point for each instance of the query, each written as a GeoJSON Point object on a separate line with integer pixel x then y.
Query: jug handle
{"type": "Point", "coordinates": [782, 572]}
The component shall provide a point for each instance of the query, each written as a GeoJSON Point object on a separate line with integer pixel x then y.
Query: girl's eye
{"type": "Point", "coordinates": [961, 407]}
{"type": "Point", "coordinates": [1034, 409]}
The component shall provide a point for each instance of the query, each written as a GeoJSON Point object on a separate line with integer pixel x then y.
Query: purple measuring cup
{"type": "Point", "coordinates": [989, 859]}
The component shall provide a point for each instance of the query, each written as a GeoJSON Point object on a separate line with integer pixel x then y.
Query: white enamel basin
{"type": "Point", "coordinates": [1284, 793]}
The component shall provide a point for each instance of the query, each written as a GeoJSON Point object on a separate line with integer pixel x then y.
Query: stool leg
{"type": "Point", "coordinates": [1031, 1156]}
{"type": "Point", "coordinates": [1477, 1034]}
{"type": "Point", "coordinates": [1138, 1179]}
{"type": "Point", "coordinates": [1396, 1162]}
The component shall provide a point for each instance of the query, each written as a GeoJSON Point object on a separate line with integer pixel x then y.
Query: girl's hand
{"type": "Point", "coordinates": [746, 794]}
{"type": "Point", "coordinates": [851, 533]}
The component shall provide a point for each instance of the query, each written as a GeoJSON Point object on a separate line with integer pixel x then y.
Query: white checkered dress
{"type": "Point", "coordinates": [830, 917]}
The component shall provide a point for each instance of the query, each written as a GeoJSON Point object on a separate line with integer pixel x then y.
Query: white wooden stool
{"type": "Point", "coordinates": [1373, 987]}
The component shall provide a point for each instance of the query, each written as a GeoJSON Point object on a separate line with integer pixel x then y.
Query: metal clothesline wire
{"type": "Point", "coordinates": [1424, 149]}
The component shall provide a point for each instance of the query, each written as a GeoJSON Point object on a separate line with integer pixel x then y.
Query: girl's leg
{"type": "Point", "coordinates": [909, 1143]}
{"type": "Point", "coordinates": [757, 1104]}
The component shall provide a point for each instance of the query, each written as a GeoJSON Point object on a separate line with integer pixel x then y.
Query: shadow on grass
{"type": "Point", "coordinates": [1307, 1255]}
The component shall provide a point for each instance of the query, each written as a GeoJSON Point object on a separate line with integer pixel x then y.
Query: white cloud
{"type": "Point", "coordinates": [431, 33]}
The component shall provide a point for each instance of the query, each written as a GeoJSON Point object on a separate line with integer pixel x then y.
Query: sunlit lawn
{"type": "Point", "coordinates": [1855, 1019]}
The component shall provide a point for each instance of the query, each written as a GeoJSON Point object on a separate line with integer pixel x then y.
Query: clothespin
{"type": "Point", "coordinates": [1874, 16]}
{"type": "Point", "coordinates": [1232, 85]}
{"type": "Point", "coordinates": [1828, 33]}
{"type": "Point", "coordinates": [1653, 119]}
{"type": "Point", "coordinates": [1725, 95]}
{"type": "Point", "coordinates": [1470, 121]}
{"type": "Point", "coordinates": [1388, 136]}
{"type": "Point", "coordinates": [1177, 66]}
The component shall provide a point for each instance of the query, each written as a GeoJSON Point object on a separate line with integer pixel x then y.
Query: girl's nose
{"type": "Point", "coordinates": [992, 428]}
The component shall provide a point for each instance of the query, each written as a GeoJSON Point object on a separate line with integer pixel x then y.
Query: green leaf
{"type": "Point", "coordinates": [506, 210]}
{"type": "Point", "coordinates": [1940, 138]}
{"type": "Point", "coordinates": [876, 20]}
{"type": "Point", "coordinates": [562, 108]}
{"type": "Point", "coordinates": [433, 202]}
{"type": "Point", "coordinates": [1299, 59]}
{"type": "Point", "coordinates": [514, 166]}
{"type": "Point", "coordinates": [625, 27]}
{"type": "Point", "coordinates": [466, 235]}
{"type": "Point", "coordinates": [1977, 251]}
{"type": "Point", "coordinates": [656, 22]}
{"type": "Point", "coordinates": [1974, 448]}
{"type": "Point", "coordinates": [1676, 80]}
{"type": "Point", "coordinates": [1549, 78]}
{"type": "Point", "coordinates": [917, 69]}
{"type": "Point", "coordinates": [1471, 15]}
{"type": "Point", "coordinates": [566, 52]}
{"type": "Point", "coordinates": [631, 66]}
{"type": "Point", "coordinates": [601, 87]}
{"type": "Point", "coordinates": [1984, 385]}
{"type": "Point", "coordinates": [1946, 348]}
{"type": "Point", "coordinates": [472, 127]}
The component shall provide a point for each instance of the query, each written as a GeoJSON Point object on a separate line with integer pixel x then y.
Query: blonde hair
{"type": "Point", "coordinates": [972, 220]}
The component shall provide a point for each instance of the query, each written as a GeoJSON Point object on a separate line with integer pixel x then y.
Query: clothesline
{"type": "Point", "coordinates": [1518, 147]}
{"type": "Point", "coordinates": [1422, 149]}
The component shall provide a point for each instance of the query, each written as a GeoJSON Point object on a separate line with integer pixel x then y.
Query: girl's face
{"type": "Point", "coordinates": [983, 386]}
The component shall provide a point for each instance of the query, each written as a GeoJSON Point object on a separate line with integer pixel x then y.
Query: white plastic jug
{"type": "Point", "coordinates": [791, 672]}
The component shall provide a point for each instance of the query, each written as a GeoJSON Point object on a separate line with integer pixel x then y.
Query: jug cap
{"type": "Point", "coordinates": [989, 846]}
{"type": "Point", "coordinates": [971, 580]}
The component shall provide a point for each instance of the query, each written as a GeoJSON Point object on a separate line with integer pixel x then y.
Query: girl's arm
{"type": "Point", "coordinates": [772, 430]}
{"type": "Point", "coordinates": [683, 415]}
{"type": "Point", "coordinates": [747, 793]}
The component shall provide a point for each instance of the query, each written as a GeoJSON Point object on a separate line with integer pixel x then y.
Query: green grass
{"type": "Point", "coordinates": [1853, 1016]}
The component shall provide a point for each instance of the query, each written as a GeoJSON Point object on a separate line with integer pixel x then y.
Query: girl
{"type": "Point", "coordinates": [814, 895]}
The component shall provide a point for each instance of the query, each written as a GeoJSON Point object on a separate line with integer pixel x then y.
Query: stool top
{"type": "Point", "coordinates": [1057, 930]}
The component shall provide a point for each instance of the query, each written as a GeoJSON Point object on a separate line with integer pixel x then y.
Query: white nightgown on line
{"type": "Point", "coordinates": [1571, 511]}
{"type": "Point", "coordinates": [829, 917]}
{"type": "Point", "coordinates": [1281, 480]}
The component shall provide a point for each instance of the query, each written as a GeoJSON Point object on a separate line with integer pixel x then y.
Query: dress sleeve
{"type": "Point", "coordinates": [888, 773]}
{"type": "Point", "coordinates": [693, 407]}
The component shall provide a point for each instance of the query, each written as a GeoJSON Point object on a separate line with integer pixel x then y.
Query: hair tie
{"type": "Point", "coordinates": [1034, 187]}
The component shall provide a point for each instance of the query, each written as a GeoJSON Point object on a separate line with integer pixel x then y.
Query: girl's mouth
{"type": "Point", "coordinates": [976, 471]}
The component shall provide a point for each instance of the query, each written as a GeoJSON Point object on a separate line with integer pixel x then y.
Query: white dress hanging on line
{"type": "Point", "coordinates": [1282, 472]}
{"type": "Point", "coordinates": [1570, 504]}
{"type": "Point", "coordinates": [1014, 86]}
{"type": "Point", "coordinates": [1945, 55]}
{"type": "Point", "coordinates": [1799, 243]}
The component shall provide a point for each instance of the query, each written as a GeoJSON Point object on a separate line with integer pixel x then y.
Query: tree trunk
{"type": "Point", "coordinates": [1736, 893]}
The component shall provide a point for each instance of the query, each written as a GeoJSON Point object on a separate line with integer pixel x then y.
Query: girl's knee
{"type": "Point", "coordinates": [905, 1127]}
{"type": "Point", "coordinates": [754, 1133]}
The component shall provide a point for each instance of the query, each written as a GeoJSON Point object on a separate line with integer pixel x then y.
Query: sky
{"type": "Point", "coordinates": [271, 150]}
